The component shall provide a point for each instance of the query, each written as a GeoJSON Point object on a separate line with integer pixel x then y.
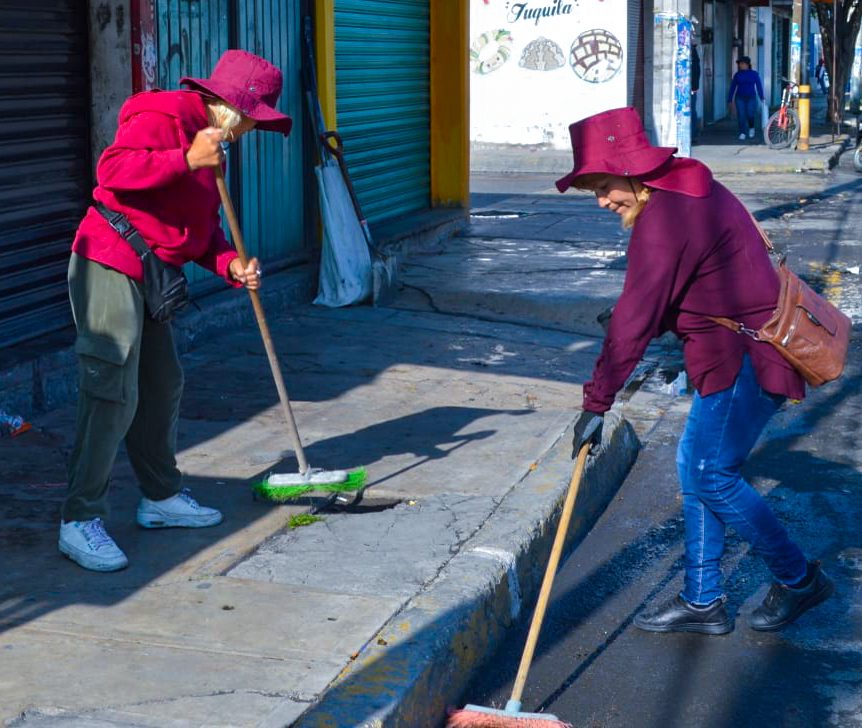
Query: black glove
{"type": "Point", "coordinates": [588, 429]}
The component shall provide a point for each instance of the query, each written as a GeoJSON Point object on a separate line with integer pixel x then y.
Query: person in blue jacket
{"type": "Point", "coordinates": [747, 87]}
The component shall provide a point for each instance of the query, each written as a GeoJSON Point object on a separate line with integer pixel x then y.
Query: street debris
{"type": "Point", "coordinates": [302, 519]}
{"type": "Point", "coordinates": [12, 425]}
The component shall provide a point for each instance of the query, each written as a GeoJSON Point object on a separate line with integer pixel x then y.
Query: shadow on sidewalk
{"type": "Point", "coordinates": [38, 581]}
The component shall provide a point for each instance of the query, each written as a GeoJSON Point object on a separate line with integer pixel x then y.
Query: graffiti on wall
{"type": "Point", "coordinates": [682, 85]}
{"type": "Point", "coordinates": [490, 50]}
{"type": "Point", "coordinates": [596, 56]}
{"type": "Point", "coordinates": [542, 54]}
{"type": "Point", "coordinates": [539, 66]}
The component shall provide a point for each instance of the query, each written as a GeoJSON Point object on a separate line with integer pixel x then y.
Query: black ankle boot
{"type": "Point", "coordinates": [784, 604]}
{"type": "Point", "coordinates": [678, 615]}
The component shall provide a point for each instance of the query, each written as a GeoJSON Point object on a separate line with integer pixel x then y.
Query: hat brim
{"type": "Point", "coordinates": [267, 118]}
{"type": "Point", "coordinates": [636, 165]}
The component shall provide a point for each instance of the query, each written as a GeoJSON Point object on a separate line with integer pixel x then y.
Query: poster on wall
{"type": "Point", "coordinates": [535, 67]}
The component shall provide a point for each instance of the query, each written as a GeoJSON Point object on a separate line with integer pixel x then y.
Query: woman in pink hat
{"type": "Point", "coordinates": [157, 196]}
{"type": "Point", "coordinates": [696, 252]}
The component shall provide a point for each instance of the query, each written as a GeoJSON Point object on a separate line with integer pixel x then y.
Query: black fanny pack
{"type": "Point", "coordinates": [166, 289]}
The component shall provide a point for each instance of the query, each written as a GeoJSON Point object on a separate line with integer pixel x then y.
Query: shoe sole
{"type": "Point", "coordinates": [693, 628]}
{"type": "Point", "coordinates": [80, 560]}
{"type": "Point", "coordinates": [157, 522]}
{"type": "Point", "coordinates": [812, 602]}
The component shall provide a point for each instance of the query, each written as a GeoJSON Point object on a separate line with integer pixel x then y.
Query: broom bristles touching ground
{"type": "Point", "coordinates": [272, 491]}
{"type": "Point", "coordinates": [474, 716]}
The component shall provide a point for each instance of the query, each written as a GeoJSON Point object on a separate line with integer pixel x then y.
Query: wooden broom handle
{"type": "Point", "coordinates": [550, 573]}
{"type": "Point", "coordinates": [238, 241]}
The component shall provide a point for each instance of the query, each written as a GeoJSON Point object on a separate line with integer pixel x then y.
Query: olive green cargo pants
{"type": "Point", "coordinates": [130, 385]}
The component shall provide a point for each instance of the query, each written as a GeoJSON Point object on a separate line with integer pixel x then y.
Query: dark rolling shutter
{"type": "Point", "coordinates": [383, 102]}
{"type": "Point", "coordinates": [45, 179]}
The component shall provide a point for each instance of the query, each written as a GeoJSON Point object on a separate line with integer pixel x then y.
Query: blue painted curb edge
{"type": "Point", "coordinates": [423, 659]}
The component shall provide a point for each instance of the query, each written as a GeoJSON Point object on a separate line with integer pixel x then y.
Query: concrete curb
{"type": "Point", "coordinates": [515, 159]}
{"type": "Point", "coordinates": [835, 157]}
{"type": "Point", "coordinates": [421, 662]}
{"type": "Point", "coordinates": [777, 161]}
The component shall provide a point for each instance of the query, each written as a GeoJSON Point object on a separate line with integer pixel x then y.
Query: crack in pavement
{"type": "Point", "coordinates": [499, 320]}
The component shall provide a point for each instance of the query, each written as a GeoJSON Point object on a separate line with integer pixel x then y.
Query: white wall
{"type": "Point", "coordinates": [110, 68]}
{"type": "Point", "coordinates": [520, 96]}
{"type": "Point", "coordinates": [723, 67]}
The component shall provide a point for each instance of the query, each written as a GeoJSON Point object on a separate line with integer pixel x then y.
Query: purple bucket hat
{"type": "Point", "coordinates": [613, 142]}
{"type": "Point", "coordinates": [250, 84]}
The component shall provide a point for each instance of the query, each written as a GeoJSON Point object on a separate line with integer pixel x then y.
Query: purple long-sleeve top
{"type": "Point", "coordinates": [746, 85]}
{"type": "Point", "coordinates": [690, 257]}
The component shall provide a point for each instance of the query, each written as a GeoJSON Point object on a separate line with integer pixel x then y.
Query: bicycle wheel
{"type": "Point", "coordinates": [778, 137]}
{"type": "Point", "coordinates": [857, 159]}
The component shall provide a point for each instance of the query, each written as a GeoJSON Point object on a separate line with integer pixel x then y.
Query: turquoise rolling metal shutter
{"type": "Point", "coordinates": [271, 186]}
{"type": "Point", "coordinates": [268, 192]}
{"type": "Point", "coordinates": [45, 179]}
{"type": "Point", "coordinates": [382, 102]}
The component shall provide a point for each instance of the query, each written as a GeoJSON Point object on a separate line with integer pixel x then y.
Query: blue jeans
{"type": "Point", "coordinates": [721, 431]}
{"type": "Point", "coordinates": [747, 110]}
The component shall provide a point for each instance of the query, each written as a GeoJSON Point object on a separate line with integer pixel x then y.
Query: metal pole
{"type": "Point", "coordinates": [834, 67]}
{"type": "Point", "coordinates": [804, 81]}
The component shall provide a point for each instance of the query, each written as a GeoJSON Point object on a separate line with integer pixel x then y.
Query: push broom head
{"type": "Point", "coordinates": [478, 716]}
{"type": "Point", "coordinates": [283, 488]}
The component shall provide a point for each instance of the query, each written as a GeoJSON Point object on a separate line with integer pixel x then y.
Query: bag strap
{"type": "Point", "coordinates": [124, 229]}
{"type": "Point", "coordinates": [736, 326]}
{"type": "Point", "coordinates": [766, 241]}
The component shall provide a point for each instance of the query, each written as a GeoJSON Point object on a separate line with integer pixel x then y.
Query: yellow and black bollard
{"type": "Point", "coordinates": [804, 117]}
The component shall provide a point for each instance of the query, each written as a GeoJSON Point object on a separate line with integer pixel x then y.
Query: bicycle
{"type": "Point", "coordinates": [782, 128]}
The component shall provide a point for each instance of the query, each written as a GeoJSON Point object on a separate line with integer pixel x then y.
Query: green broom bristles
{"type": "Point", "coordinates": [282, 493]}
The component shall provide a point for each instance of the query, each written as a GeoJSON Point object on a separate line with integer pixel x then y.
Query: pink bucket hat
{"type": "Point", "coordinates": [613, 142]}
{"type": "Point", "coordinates": [250, 84]}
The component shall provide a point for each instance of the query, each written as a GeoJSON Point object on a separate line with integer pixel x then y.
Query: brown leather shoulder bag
{"type": "Point", "coordinates": [808, 331]}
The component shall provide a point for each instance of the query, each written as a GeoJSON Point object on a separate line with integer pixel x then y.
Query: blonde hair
{"type": "Point", "coordinates": [642, 196]}
{"type": "Point", "coordinates": [224, 116]}
{"type": "Point", "coordinates": [589, 182]}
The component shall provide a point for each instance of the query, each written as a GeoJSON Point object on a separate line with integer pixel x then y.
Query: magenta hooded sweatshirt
{"type": "Point", "coordinates": [144, 174]}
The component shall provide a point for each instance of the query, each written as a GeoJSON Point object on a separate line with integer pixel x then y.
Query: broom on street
{"type": "Point", "coordinates": [284, 487]}
{"type": "Point", "coordinates": [477, 716]}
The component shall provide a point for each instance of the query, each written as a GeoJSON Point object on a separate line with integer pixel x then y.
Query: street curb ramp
{"type": "Point", "coordinates": [421, 662]}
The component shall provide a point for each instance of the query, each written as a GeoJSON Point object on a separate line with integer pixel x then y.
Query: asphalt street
{"type": "Point", "coordinates": [593, 668]}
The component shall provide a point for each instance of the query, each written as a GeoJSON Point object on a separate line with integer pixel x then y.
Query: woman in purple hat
{"type": "Point", "coordinates": [696, 252]}
{"type": "Point", "coordinates": [156, 190]}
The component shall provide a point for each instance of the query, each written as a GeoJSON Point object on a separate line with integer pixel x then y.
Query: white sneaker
{"type": "Point", "coordinates": [742, 137]}
{"type": "Point", "coordinates": [751, 133]}
{"type": "Point", "coordinates": [178, 511]}
{"type": "Point", "coordinates": [88, 544]}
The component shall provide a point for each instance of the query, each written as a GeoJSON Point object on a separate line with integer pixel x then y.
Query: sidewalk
{"type": "Point", "coordinates": [378, 613]}
{"type": "Point", "coordinates": [717, 146]}
{"type": "Point", "coordinates": [460, 401]}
